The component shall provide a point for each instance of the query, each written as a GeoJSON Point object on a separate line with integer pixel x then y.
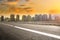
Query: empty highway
{"type": "Point", "coordinates": [22, 31]}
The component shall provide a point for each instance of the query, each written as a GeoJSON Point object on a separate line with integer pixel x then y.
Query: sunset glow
{"type": "Point", "coordinates": [36, 6]}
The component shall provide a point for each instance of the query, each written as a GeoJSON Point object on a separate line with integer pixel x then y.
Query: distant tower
{"type": "Point", "coordinates": [12, 17]}
{"type": "Point", "coordinates": [2, 18]}
{"type": "Point", "coordinates": [50, 17]}
{"type": "Point", "coordinates": [17, 18]}
{"type": "Point", "coordinates": [36, 18]}
{"type": "Point", "coordinates": [44, 17]}
{"type": "Point", "coordinates": [29, 18]}
{"type": "Point", "coordinates": [40, 17]}
{"type": "Point", "coordinates": [24, 18]}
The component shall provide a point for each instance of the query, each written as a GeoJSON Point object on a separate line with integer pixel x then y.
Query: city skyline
{"type": "Point", "coordinates": [36, 17]}
{"type": "Point", "coordinates": [29, 19]}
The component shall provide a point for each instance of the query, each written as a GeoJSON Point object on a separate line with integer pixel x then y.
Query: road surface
{"type": "Point", "coordinates": [20, 31]}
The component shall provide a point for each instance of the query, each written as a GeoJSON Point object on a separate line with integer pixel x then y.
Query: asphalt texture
{"type": "Point", "coordinates": [12, 33]}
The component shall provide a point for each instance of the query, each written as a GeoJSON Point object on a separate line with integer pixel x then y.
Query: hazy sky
{"type": "Point", "coordinates": [47, 5]}
{"type": "Point", "coordinates": [39, 6]}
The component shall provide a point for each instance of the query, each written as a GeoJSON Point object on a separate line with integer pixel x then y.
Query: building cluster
{"type": "Point", "coordinates": [12, 18]}
{"type": "Point", "coordinates": [43, 17]}
{"type": "Point", "coordinates": [40, 17]}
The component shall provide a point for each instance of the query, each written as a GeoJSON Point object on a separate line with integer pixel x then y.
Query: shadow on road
{"type": "Point", "coordinates": [5, 36]}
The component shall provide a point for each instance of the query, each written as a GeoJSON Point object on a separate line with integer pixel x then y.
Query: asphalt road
{"type": "Point", "coordinates": [20, 31]}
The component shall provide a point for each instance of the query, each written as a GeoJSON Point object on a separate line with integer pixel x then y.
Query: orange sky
{"type": "Point", "coordinates": [36, 7]}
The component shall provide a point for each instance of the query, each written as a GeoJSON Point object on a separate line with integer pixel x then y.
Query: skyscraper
{"type": "Point", "coordinates": [44, 17]}
{"type": "Point", "coordinates": [24, 18]}
{"type": "Point", "coordinates": [17, 18]}
{"type": "Point", "coordinates": [29, 18]}
{"type": "Point", "coordinates": [50, 17]}
{"type": "Point", "coordinates": [2, 18]}
{"type": "Point", "coordinates": [40, 17]}
{"type": "Point", "coordinates": [12, 17]}
{"type": "Point", "coordinates": [36, 18]}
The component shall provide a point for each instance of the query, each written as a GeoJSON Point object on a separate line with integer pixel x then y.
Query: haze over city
{"type": "Point", "coordinates": [29, 19]}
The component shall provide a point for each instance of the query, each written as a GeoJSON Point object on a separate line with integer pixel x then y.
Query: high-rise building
{"type": "Point", "coordinates": [29, 18]}
{"type": "Point", "coordinates": [57, 18]}
{"type": "Point", "coordinates": [33, 19]}
{"type": "Point", "coordinates": [50, 17]}
{"type": "Point", "coordinates": [40, 17]}
{"type": "Point", "coordinates": [12, 17]}
{"type": "Point", "coordinates": [2, 18]}
{"type": "Point", "coordinates": [17, 18]}
{"type": "Point", "coordinates": [36, 18]}
{"type": "Point", "coordinates": [24, 18]}
{"type": "Point", "coordinates": [44, 17]}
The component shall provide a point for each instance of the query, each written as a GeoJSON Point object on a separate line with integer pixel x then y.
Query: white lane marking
{"type": "Point", "coordinates": [34, 31]}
